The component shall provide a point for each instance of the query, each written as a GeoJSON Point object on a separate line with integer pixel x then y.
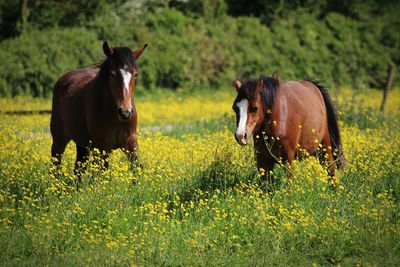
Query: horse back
{"type": "Point", "coordinates": [74, 81]}
{"type": "Point", "coordinates": [299, 114]}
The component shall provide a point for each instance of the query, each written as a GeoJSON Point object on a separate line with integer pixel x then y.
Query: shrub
{"type": "Point", "coordinates": [32, 62]}
{"type": "Point", "coordinates": [187, 52]}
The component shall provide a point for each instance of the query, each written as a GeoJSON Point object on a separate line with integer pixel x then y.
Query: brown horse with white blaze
{"type": "Point", "coordinates": [95, 108]}
{"type": "Point", "coordinates": [285, 117]}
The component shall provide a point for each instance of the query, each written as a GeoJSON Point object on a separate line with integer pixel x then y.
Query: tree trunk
{"type": "Point", "coordinates": [389, 82]}
{"type": "Point", "coordinates": [24, 16]}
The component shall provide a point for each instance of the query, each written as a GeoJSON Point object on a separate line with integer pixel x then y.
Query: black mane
{"type": "Point", "coordinates": [122, 55]}
{"type": "Point", "coordinates": [268, 92]}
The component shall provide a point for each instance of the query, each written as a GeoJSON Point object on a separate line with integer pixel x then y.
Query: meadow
{"type": "Point", "coordinates": [196, 201]}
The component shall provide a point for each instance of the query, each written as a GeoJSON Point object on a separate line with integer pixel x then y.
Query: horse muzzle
{"type": "Point", "coordinates": [242, 138]}
{"type": "Point", "coordinates": [125, 114]}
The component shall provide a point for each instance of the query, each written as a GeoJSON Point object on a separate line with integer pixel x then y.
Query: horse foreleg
{"type": "Point", "coordinates": [134, 164]}
{"type": "Point", "coordinates": [57, 149]}
{"type": "Point", "coordinates": [327, 157]}
{"type": "Point", "coordinates": [289, 155]}
{"type": "Point", "coordinates": [265, 168]}
{"type": "Point", "coordinates": [101, 158]}
{"type": "Point", "coordinates": [132, 151]}
{"type": "Point", "coordinates": [105, 158]}
{"type": "Point", "coordinates": [265, 163]}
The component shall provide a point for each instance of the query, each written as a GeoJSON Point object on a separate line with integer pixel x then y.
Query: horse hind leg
{"type": "Point", "coordinates": [327, 159]}
{"type": "Point", "coordinates": [82, 156]}
{"type": "Point", "coordinates": [290, 155]}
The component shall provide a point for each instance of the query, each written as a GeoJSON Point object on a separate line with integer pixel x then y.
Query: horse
{"type": "Point", "coordinates": [95, 108]}
{"type": "Point", "coordinates": [286, 118]}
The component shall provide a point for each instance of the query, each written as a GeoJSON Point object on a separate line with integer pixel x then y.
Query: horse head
{"type": "Point", "coordinates": [122, 72]}
{"type": "Point", "coordinates": [253, 105]}
{"type": "Point", "coordinates": [248, 109]}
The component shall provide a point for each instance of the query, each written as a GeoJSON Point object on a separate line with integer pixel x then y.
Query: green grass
{"type": "Point", "coordinates": [197, 200]}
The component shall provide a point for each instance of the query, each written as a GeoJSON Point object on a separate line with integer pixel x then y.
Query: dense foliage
{"type": "Point", "coordinates": [196, 44]}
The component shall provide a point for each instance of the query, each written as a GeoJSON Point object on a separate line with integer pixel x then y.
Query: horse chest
{"type": "Point", "coordinates": [110, 138]}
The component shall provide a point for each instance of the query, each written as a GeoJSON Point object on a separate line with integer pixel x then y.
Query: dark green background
{"type": "Point", "coordinates": [200, 44]}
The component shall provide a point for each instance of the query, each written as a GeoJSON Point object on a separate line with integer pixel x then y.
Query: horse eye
{"type": "Point", "coordinates": [135, 75]}
{"type": "Point", "coordinates": [253, 109]}
{"type": "Point", "coordinates": [113, 73]}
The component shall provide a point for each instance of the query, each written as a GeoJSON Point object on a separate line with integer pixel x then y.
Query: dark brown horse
{"type": "Point", "coordinates": [284, 118]}
{"type": "Point", "coordinates": [94, 107]}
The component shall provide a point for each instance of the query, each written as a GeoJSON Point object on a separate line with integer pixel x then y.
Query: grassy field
{"type": "Point", "coordinates": [196, 200]}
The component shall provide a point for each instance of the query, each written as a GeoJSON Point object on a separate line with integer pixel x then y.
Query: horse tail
{"type": "Point", "coordinates": [333, 126]}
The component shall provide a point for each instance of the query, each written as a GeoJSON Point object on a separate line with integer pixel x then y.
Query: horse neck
{"type": "Point", "coordinates": [101, 96]}
{"type": "Point", "coordinates": [269, 97]}
{"type": "Point", "coordinates": [267, 124]}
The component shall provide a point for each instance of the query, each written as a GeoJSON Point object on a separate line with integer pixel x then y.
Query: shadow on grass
{"type": "Point", "coordinates": [218, 177]}
{"type": "Point", "coordinates": [222, 176]}
{"type": "Point", "coordinates": [25, 112]}
{"type": "Point", "coordinates": [224, 173]}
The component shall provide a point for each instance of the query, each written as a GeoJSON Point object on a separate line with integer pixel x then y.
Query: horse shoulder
{"type": "Point", "coordinates": [285, 115]}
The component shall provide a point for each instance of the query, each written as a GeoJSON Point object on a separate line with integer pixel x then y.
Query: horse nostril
{"type": "Point", "coordinates": [245, 136]}
{"type": "Point", "coordinates": [125, 114]}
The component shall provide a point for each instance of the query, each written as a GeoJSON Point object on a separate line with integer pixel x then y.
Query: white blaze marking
{"type": "Point", "coordinates": [243, 105]}
{"type": "Point", "coordinates": [126, 76]}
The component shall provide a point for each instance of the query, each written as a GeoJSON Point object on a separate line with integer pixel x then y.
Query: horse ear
{"type": "Point", "coordinates": [107, 50]}
{"type": "Point", "coordinates": [260, 85]}
{"type": "Point", "coordinates": [237, 85]}
{"type": "Point", "coordinates": [138, 52]}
